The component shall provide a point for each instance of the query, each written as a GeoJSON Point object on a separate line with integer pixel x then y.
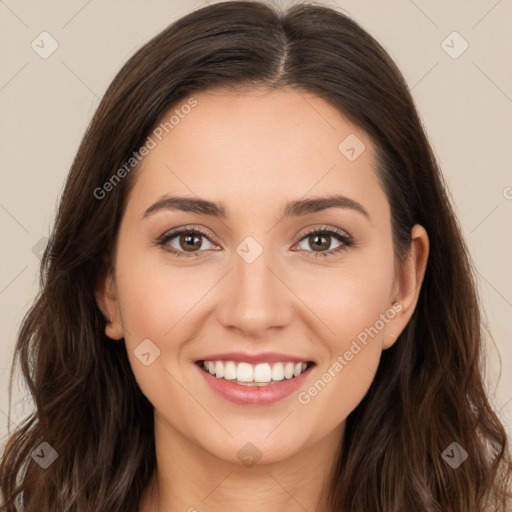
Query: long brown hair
{"type": "Point", "coordinates": [428, 391]}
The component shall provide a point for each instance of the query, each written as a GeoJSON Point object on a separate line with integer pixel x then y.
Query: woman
{"type": "Point", "coordinates": [256, 293]}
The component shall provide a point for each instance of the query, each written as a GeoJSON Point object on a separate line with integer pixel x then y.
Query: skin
{"type": "Point", "coordinates": [254, 151]}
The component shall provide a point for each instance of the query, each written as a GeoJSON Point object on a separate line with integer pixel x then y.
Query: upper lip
{"type": "Point", "coordinates": [265, 357]}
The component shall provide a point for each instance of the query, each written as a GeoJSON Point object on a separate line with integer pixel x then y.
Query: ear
{"type": "Point", "coordinates": [408, 284]}
{"type": "Point", "coordinates": [106, 298]}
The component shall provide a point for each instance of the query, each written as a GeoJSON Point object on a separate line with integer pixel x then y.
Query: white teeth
{"type": "Point", "coordinates": [229, 370]}
{"type": "Point", "coordinates": [219, 369]}
{"type": "Point", "coordinates": [278, 371]}
{"type": "Point", "coordinates": [288, 370]}
{"type": "Point", "coordinates": [262, 373]}
{"type": "Point", "coordinates": [244, 372]}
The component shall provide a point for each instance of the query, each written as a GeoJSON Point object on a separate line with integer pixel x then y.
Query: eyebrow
{"type": "Point", "coordinates": [292, 209]}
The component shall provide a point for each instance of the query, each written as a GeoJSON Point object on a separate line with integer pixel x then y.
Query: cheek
{"type": "Point", "coordinates": [349, 301]}
{"type": "Point", "coordinates": [357, 303]}
{"type": "Point", "coordinates": [340, 386]}
{"type": "Point", "coordinates": [159, 303]}
{"type": "Point", "coordinates": [356, 313]}
{"type": "Point", "coordinates": [156, 302]}
{"type": "Point", "coordinates": [154, 297]}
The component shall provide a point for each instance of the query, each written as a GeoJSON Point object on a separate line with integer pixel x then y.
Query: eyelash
{"type": "Point", "coordinates": [346, 240]}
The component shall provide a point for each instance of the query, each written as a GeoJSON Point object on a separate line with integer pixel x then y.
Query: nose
{"type": "Point", "coordinates": [257, 300]}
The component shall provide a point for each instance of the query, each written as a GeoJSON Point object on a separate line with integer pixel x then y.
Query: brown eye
{"type": "Point", "coordinates": [190, 242]}
{"type": "Point", "coordinates": [185, 242]}
{"type": "Point", "coordinates": [320, 242]}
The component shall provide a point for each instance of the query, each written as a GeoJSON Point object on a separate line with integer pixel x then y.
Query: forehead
{"type": "Point", "coordinates": [258, 147]}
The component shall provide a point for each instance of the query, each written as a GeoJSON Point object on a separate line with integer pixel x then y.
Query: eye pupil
{"type": "Point", "coordinates": [313, 242]}
{"type": "Point", "coordinates": [186, 242]}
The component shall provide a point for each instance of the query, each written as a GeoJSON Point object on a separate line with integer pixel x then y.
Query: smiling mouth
{"type": "Point", "coordinates": [246, 374]}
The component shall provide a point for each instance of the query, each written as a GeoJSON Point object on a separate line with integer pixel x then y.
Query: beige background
{"type": "Point", "coordinates": [46, 104]}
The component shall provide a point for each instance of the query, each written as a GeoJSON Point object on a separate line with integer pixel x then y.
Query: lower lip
{"type": "Point", "coordinates": [254, 395]}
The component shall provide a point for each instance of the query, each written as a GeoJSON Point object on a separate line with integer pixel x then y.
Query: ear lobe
{"type": "Point", "coordinates": [410, 280]}
{"type": "Point", "coordinates": [106, 298]}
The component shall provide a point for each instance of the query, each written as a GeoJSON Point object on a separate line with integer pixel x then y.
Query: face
{"type": "Point", "coordinates": [258, 281]}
